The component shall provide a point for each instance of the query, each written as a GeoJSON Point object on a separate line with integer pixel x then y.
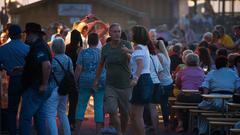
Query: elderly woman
{"type": "Point", "coordinates": [85, 72]}
{"type": "Point", "coordinates": [57, 104]}
{"type": "Point", "coordinates": [183, 65]}
{"type": "Point", "coordinates": [223, 80]}
{"type": "Point", "coordinates": [189, 78]}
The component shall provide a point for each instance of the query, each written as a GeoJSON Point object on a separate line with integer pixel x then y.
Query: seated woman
{"type": "Point", "coordinates": [183, 65]}
{"type": "Point", "coordinates": [223, 80]}
{"type": "Point", "coordinates": [189, 78]}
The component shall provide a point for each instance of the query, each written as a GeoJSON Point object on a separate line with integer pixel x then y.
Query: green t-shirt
{"type": "Point", "coordinates": [117, 65]}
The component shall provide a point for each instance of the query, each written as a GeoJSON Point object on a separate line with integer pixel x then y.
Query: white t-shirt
{"type": "Point", "coordinates": [143, 54]}
{"type": "Point", "coordinates": [165, 75]}
{"type": "Point", "coordinates": [155, 66]}
{"type": "Point", "coordinates": [68, 38]}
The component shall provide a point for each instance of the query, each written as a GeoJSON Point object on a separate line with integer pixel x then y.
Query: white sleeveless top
{"type": "Point", "coordinates": [143, 54]}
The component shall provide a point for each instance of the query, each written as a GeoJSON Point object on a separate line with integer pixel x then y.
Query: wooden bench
{"type": "Point", "coordinates": [215, 114]}
{"type": "Point", "coordinates": [233, 107]}
{"type": "Point", "coordinates": [195, 112]}
{"type": "Point", "coordinates": [189, 91]}
{"type": "Point", "coordinates": [219, 123]}
{"type": "Point", "coordinates": [183, 103]}
{"type": "Point", "coordinates": [171, 101]}
{"type": "Point", "coordinates": [234, 131]}
{"type": "Point", "coordinates": [184, 107]}
{"type": "Point", "coordinates": [223, 119]}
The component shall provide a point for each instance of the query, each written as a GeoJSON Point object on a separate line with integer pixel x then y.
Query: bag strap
{"type": "Point", "coordinates": [69, 64]}
{"type": "Point", "coordinates": [55, 79]}
{"type": "Point", "coordinates": [155, 69]}
{"type": "Point", "coordinates": [60, 64]}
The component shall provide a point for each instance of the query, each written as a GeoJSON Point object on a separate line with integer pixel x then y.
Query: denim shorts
{"type": "Point", "coordinates": [143, 90]}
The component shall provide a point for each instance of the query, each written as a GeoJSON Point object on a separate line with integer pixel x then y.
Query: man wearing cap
{"type": "Point", "coordinates": [12, 57]}
{"type": "Point", "coordinates": [35, 82]}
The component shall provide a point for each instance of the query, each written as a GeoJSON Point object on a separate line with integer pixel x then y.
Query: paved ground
{"type": "Point", "coordinates": [88, 129]}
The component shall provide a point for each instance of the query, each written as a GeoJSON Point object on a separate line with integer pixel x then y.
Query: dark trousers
{"type": "Point", "coordinates": [14, 95]}
{"type": "Point", "coordinates": [164, 103]}
{"type": "Point", "coordinates": [147, 115]}
{"type": "Point", "coordinates": [73, 100]}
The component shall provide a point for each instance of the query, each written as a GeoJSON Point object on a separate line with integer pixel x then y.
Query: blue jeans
{"type": "Point", "coordinates": [164, 103]}
{"type": "Point", "coordinates": [57, 104]}
{"type": "Point", "coordinates": [14, 95]}
{"type": "Point", "coordinates": [84, 95]}
{"type": "Point", "coordinates": [33, 106]}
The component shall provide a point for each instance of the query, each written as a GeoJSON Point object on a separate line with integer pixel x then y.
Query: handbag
{"type": "Point", "coordinates": [159, 90]}
{"type": "Point", "coordinates": [67, 84]}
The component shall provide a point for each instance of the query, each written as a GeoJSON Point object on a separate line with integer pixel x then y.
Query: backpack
{"type": "Point", "coordinates": [67, 84]}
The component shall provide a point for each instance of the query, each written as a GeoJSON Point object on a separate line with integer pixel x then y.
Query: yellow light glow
{"type": "Point", "coordinates": [190, 3]}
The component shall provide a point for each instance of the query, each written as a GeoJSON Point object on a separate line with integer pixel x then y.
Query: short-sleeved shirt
{"type": "Point", "coordinates": [227, 42]}
{"type": "Point", "coordinates": [191, 77]}
{"type": "Point", "coordinates": [143, 54]}
{"type": "Point", "coordinates": [222, 79]}
{"type": "Point", "coordinates": [166, 78]}
{"type": "Point", "coordinates": [56, 67]}
{"type": "Point", "coordinates": [117, 65]}
{"type": "Point", "coordinates": [39, 52]}
{"type": "Point", "coordinates": [89, 59]}
{"type": "Point", "coordinates": [13, 54]}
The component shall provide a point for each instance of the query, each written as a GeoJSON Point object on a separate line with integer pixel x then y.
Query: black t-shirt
{"type": "Point", "coordinates": [71, 51]}
{"type": "Point", "coordinates": [39, 52]}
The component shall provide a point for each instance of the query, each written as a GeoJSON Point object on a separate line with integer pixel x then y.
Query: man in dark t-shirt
{"type": "Point", "coordinates": [35, 78]}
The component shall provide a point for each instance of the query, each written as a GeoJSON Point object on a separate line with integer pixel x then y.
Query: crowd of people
{"type": "Point", "coordinates": [128, 75]}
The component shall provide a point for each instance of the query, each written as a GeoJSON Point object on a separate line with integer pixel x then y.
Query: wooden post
{"type": "Point", "coordinates": [195, 6]}
{"type": "Point", "coordinates": [5, 6]}
{"type": "Point", "coordinates": [223, 7]}
{"type": "Point", "coordinates": [218, 6]}
{"type": "Point", "coordinates": [233, 7]}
